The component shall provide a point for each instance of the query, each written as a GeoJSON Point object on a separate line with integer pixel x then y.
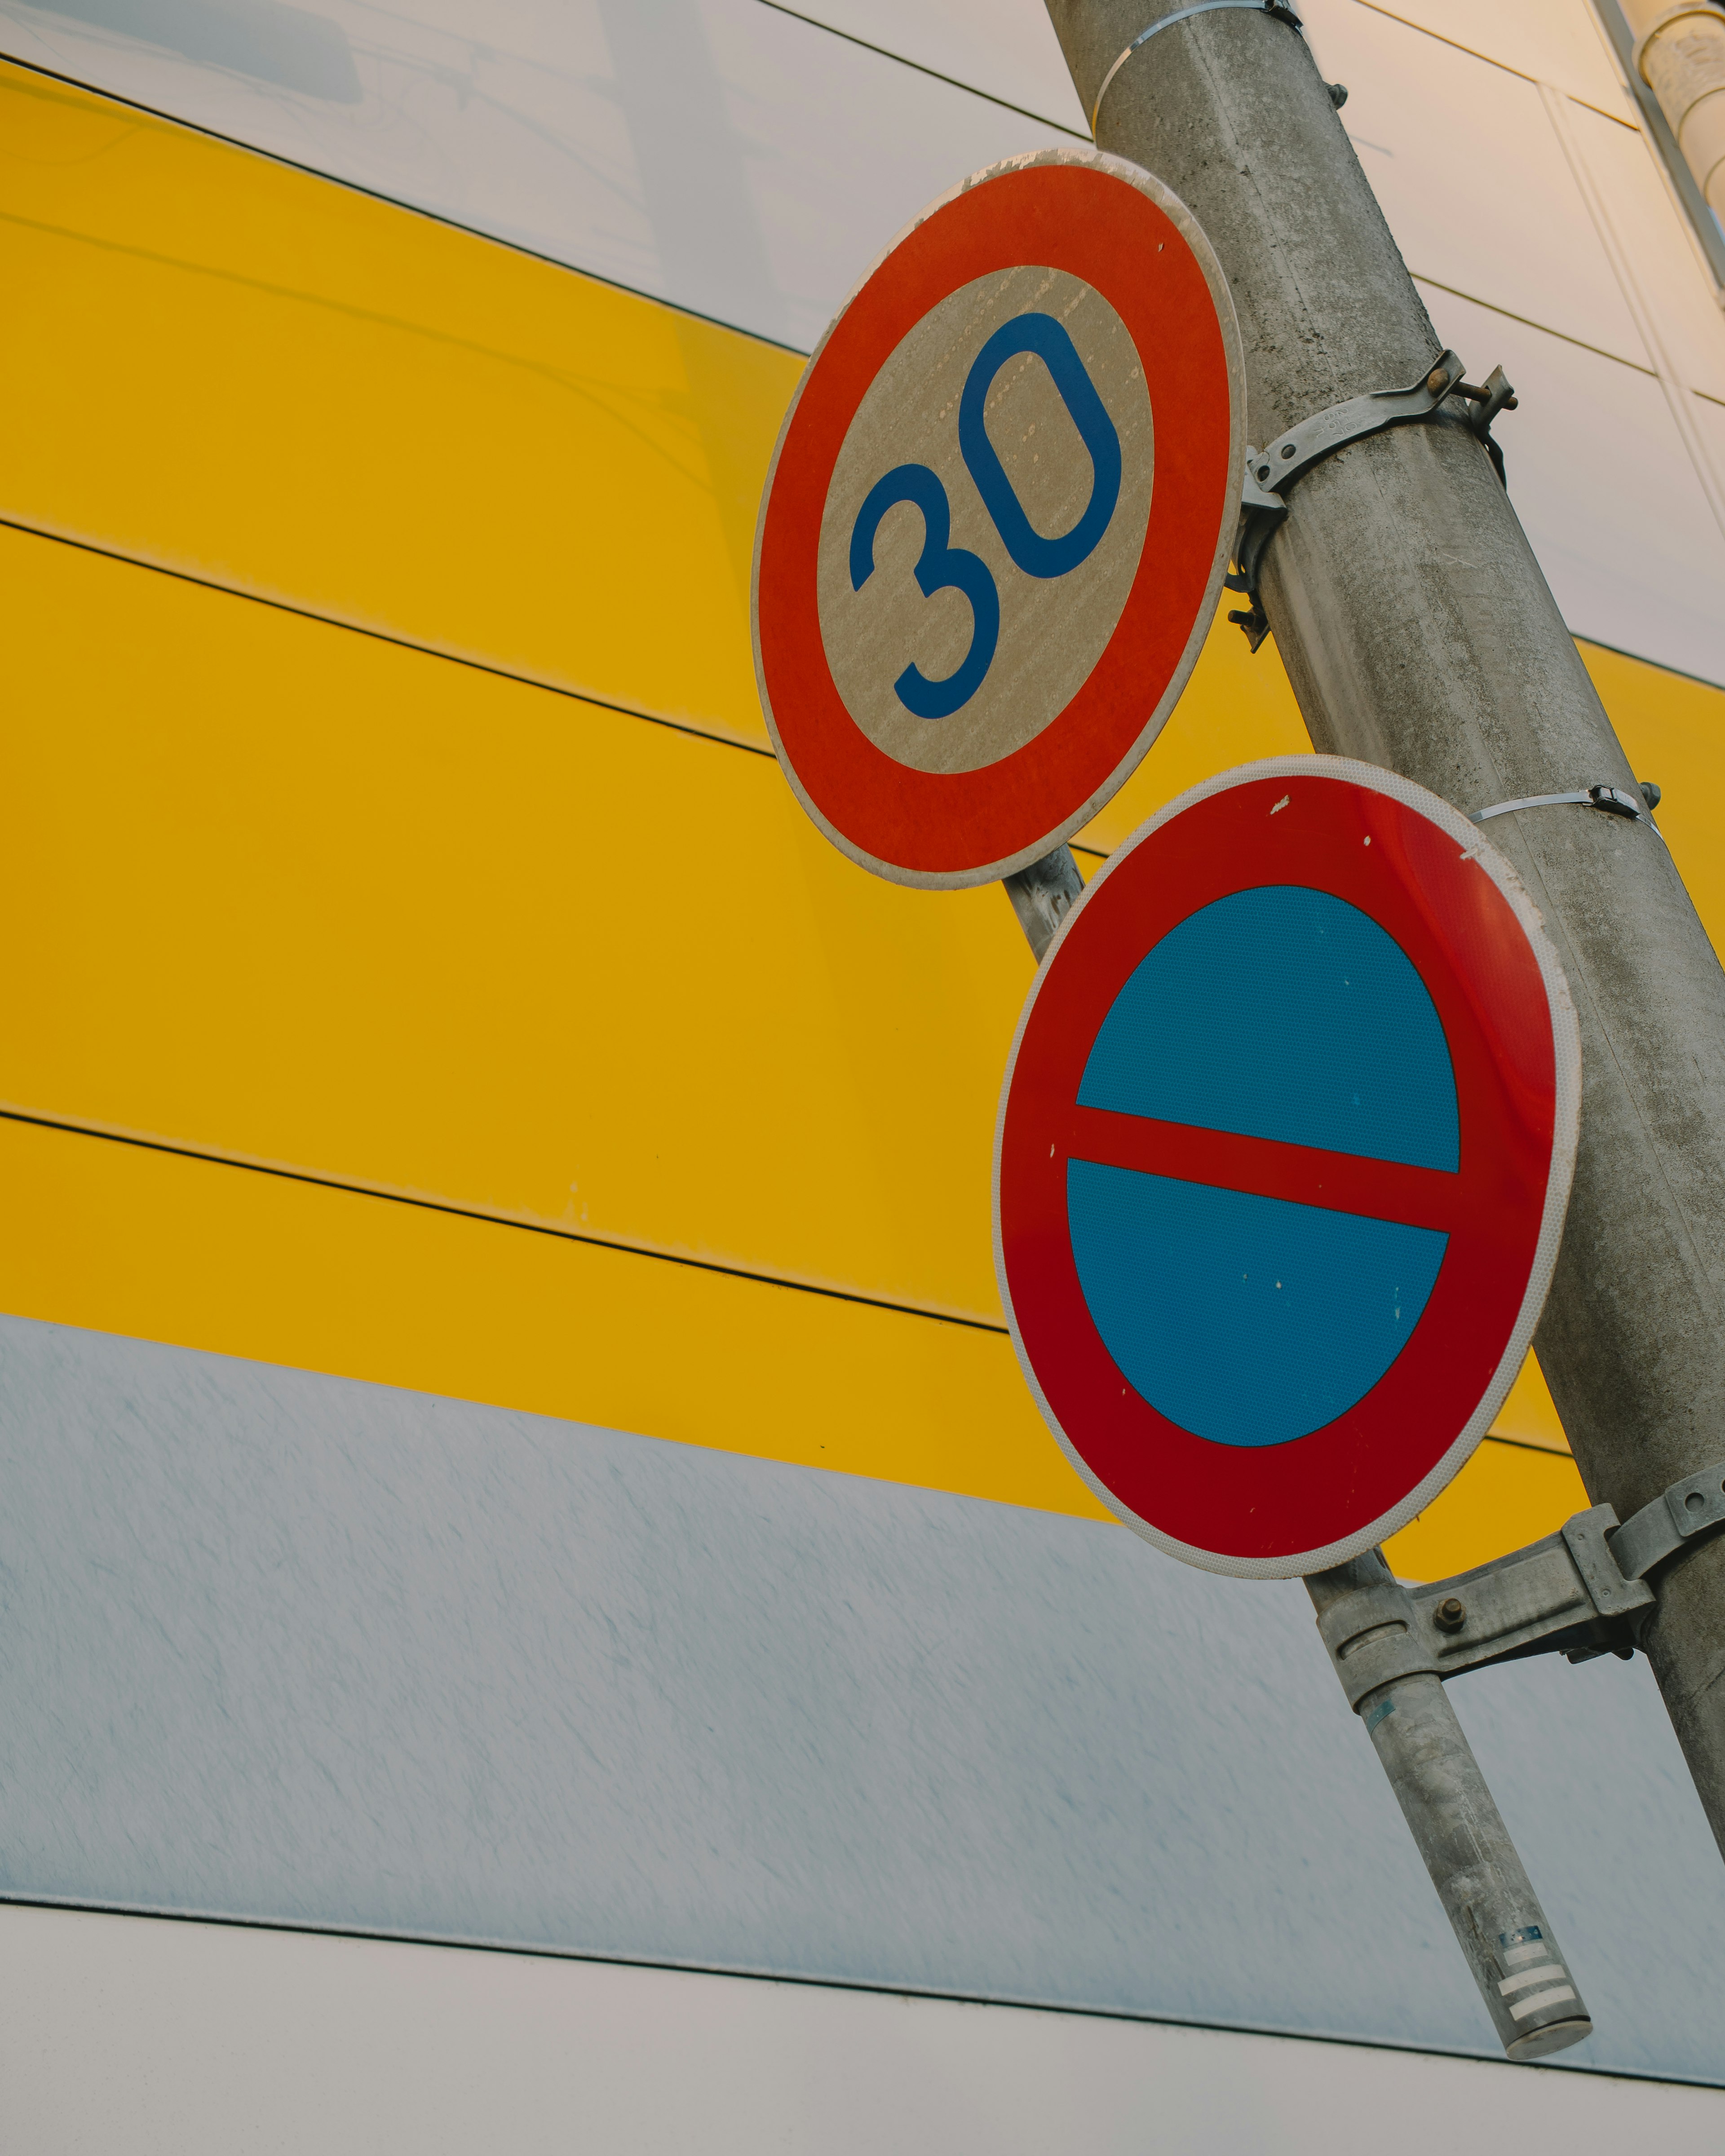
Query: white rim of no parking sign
{"type": "Point", "coordinates": [1566, 1040]}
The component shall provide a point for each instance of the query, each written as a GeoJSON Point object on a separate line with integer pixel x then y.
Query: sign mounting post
{"type": "Point", "coordinates": [1281, 1163]}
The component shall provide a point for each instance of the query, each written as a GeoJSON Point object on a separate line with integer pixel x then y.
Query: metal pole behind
{"type": "Point", "coordinates": [1419, 635]}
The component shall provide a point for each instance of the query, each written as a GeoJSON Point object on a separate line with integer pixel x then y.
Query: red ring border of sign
{"type": "Point", "coordinates": [908, 822]}
{"type": "Point", "coordinates": [1198, 1481]}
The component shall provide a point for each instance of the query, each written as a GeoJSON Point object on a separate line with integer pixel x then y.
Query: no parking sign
{"type": "Point", "coordinates": [1282, 1159]}
{"type": "Point", "coordinates": [997, 519]}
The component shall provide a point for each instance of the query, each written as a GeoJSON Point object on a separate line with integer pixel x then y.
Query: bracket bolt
{"type": "Point", "coordinates": [1437, 382]}
{"type": "Point", "coordinates": [1450, 1613]}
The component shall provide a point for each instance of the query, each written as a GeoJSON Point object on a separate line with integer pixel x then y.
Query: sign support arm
{"type": "Point", "coordinates": [1581, 1593]}
{"type": "Point", "coordinates": [1043, 895]}
{"type": "Point", "coordinates": [1504, 1934]}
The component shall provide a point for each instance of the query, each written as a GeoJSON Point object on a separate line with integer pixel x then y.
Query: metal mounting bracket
{"type": "Point", "coordinates": [1271, 472]}
{"type": "Point", "coordinates": [1579, 1592]}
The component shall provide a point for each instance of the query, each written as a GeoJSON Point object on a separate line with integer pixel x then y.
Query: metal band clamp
{"type": "Point", "coordinates": [1282, 14]}
{"type": "Point", "coordinates": [1676, 1516]}
{"type": "Point", "coordinates": [1608, 800]}
{"type": "Point", "coordinates": [1269, 472]}
{"type": "Point", "coordinates": [1581, 1593]}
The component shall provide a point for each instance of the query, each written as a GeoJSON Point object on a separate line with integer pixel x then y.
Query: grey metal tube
{"type": "Point", "coordinates": [1043, 895]}
{"type": "Point", "coordinates": [1419, 634]}
{"type": "Point", "coordinates": [1504, 1934]}
{"type": "Point", "coordinates": [1680, 51]}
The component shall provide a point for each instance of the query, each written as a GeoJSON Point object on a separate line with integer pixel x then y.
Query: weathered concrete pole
{"type": "Point", "coordinates": [1419, 634]}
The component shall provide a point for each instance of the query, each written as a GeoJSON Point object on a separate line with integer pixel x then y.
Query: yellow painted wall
{"type": "Point", "coordinates": [303, 897]}
{"type": "Point", "coordinates": [243, 370]}
{"type": "Point", "coordinates": [126, 1239]}
{"type": "Point", "coordinates": [286, 896]}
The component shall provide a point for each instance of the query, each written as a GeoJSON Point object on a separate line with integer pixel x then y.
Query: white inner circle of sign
{"type": "Point", "coordinates": [1054, 622]}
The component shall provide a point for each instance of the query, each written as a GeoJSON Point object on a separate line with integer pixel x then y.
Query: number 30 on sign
{"type": "Point", "coordinates": [998, 517]}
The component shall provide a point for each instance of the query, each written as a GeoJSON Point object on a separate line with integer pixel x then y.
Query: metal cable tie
{"type": "Point", "coordinates": [1608, 800]}
{"type": "Point", "coordinates": [1282, 14]}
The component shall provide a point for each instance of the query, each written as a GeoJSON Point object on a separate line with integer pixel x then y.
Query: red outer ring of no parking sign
{"type": "Point", "coordinates": [1455, 907]}
{"type": "Point", "coordinates": [1075, 211]}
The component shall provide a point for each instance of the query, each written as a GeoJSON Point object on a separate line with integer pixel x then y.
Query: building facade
{"type": "Point", "coordinates": [512, 1442]}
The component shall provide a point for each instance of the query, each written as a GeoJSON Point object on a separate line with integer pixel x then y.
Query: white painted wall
{"type": "Point", "coordinates": [164, 2038]}
{"type": "Point", "coordinates": [1536, 221]}
{"type": "Point", "coordinates": [720, 153]}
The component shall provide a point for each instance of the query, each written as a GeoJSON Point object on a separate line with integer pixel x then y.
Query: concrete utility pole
{"type": "Point", "coordinates": [1419, 635]}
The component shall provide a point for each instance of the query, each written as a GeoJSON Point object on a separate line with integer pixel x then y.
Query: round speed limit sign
{"type": "Point", "coordinates": [998, 518]}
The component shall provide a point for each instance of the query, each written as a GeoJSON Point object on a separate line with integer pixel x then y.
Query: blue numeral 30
{"type": "Point", "coordinates": [941, 567]}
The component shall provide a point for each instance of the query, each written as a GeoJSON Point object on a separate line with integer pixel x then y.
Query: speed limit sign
{"type": "Point", "coordinates": [998, 518]}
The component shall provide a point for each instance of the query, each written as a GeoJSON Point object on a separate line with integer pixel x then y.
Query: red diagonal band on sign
{"type": "Point", "coordinates": [1339, 1181]}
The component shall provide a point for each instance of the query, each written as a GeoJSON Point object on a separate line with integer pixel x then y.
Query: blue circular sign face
{"type": "Point", "coordinates": [1248, 1319]}
{"type": "Point", "coordinates": [1281, 1164]}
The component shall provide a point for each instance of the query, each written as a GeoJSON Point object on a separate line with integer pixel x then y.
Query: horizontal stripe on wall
{"type": "Point", "coordinates": [358, 918]}
{"type": "Point", "coordinates": [301, 897]}
{"type": "Point", "coordinates": [176, 2039]}
{"type": "Point", "coordinates": [729, 157]}
{"type": "Point", "coordinates": [294, 1650]}
{"type": "Point", "coordinates": [304, 897]}
{"type": "Point", "coordinates": [126, 1239]}
{"type": "Point", "coordinates": [248, 373]}
{"type": "Point", "coordinates": [749, 165]}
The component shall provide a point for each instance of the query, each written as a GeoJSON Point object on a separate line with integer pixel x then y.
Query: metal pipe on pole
{"type": "Point", "coordinates": [1043, 895]}
{"type": "Point", "coordinates": [1419, 634]}
{"type": "Point", "coordinates": [1679, 55]}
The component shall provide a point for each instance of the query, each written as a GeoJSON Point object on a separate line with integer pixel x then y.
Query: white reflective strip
{"type": "Point", "coordinates": [1549, 1972]}
{"type": "Point", "coordinates": [1518, 1955]}
{"type": "Point", "coordinates": [1533, 2005]}
{"type": "Point", "coordinates": [1534, 801]}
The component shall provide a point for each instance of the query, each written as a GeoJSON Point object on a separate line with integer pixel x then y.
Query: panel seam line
{"type": "Point", "coordinates": [67, 1127]}
{"type": "Point", "coordinates": [424, 650]}
{"type": "Point", "coordinates": [744, 1973]}
{"type": "Point", "coordinates": [392, 202]}
{"type": "Point", "coordinates": [70, 1127]}
{"type": "Point", "coordinates": [1672, 381]}
{"type": "Point", "coordinates": [381, 636]}
{"type": "Point", "coordinates": [920, 67]}
{"type": "Point", "coordinates": [1419, 29]}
